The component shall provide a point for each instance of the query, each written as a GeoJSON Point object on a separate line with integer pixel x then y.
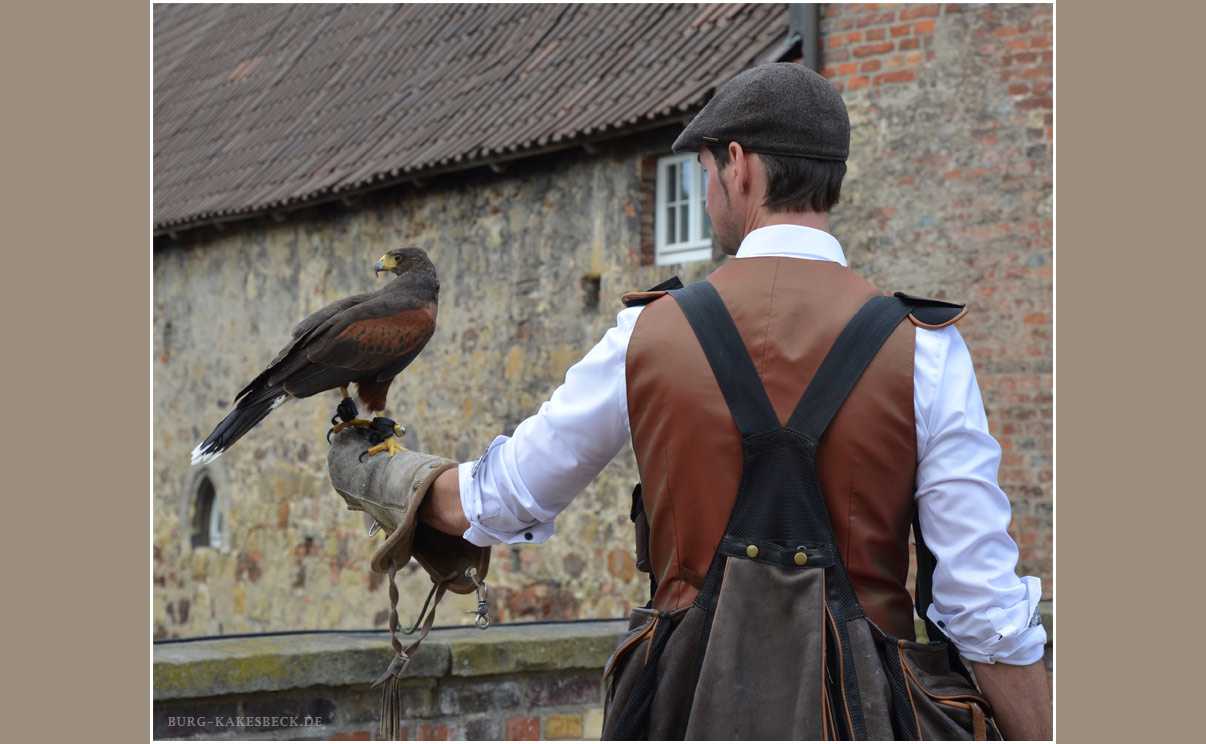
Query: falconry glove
{"type": "Point", "coordinates": [391, 490]}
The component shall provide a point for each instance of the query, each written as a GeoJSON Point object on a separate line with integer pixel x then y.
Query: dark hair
{"type": "Point", "coordinates": [795, 184]}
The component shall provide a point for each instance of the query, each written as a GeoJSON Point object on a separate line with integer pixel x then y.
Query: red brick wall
{"type": "Point", "coordinates": [949, 195]}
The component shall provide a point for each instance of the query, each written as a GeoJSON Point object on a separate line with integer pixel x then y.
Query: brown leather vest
{"type": "Point", "coordinates": [789, 311]}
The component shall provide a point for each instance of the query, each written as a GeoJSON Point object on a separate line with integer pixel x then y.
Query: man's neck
{"type": "Point", "coordinates": [764, 218]}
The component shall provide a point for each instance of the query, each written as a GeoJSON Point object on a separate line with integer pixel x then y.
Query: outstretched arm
{"type": "Point", "coordinates": [1020, 698]}
{"type": "Point", "coordinates": [514, 491]}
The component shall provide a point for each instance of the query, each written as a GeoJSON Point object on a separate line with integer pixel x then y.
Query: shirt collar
{"type": "Point", "coordinates": [792, 241]}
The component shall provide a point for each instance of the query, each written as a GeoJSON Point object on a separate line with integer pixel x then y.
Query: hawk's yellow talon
{"type": "Point", "coordinates": [345, 424]}
{"type": "Point", "coordinates": [389, 445]}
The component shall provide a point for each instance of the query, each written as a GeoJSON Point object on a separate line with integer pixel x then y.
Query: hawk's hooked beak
{"type": "Point", "coordinates": [385, 263]}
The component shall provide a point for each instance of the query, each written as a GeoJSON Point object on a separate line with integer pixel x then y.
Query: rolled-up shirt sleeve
{"type": "Point", "coordinates": [521, 483]}
{"type": "Point", "coordinates": [989, 613]}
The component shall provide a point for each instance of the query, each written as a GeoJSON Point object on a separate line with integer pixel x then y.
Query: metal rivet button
{"type": "Point", "coordinates": [752, 551]}
{"type": "Point", "coordinates": [801, 558]}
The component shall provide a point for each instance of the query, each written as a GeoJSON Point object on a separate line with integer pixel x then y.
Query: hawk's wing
{"type": "Point", "coordinates": [383, 335]}
{"type": "Point", "coordinates": [301, 333]}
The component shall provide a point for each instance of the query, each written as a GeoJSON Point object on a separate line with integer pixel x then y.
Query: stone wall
{"type": "Point", "coordinates": [532, 261]}
{"type": "Point", "coordinates": [537, 681]}
{"type": "Point", "coordinates": [948, 195]}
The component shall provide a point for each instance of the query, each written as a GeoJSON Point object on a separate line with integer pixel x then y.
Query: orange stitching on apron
{"type": "Point", "coordinates": [624, 649]}
{"type": "Point", "coordinates": [900, 653]}
{"type": "Point", "coordinates": [841, 666]}
{"type": "Point", "coordinates": [652, 630]}
{"type": "Point", "coordinates": [958, 700]}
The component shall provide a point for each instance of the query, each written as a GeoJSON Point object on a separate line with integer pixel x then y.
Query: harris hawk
{"type": "Point", "coordinates": [365, 339]}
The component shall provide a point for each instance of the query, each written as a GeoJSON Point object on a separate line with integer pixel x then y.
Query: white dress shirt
{"type": "Point", "coordinates": [521, 483]}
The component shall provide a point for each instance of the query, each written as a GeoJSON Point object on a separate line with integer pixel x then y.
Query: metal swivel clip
{"type": "Point", "coordinates": [483, 611]}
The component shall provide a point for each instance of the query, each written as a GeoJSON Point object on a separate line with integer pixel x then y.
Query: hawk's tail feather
{"type": "Point", "coordinates": [249, 412]}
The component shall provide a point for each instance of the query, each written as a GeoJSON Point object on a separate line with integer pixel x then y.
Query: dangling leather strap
{"type": "Point", "coordinates": [391, 703]}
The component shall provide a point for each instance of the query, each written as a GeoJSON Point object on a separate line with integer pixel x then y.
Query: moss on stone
{"type": "Point", "coordinates": [238, 665]}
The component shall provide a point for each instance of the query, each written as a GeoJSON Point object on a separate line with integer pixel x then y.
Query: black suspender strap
{"type": "Point", "coordinates": [752, 411]}
{"type": "Point", "coordinates": [731, 364]}
{"type": "Point", "coordinates": [850, 354]}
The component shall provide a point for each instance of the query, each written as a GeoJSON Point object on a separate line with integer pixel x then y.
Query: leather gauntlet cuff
{"type": "Point", "coordinates": [391, 490]}
{"type": "Point", "coordinates": [443, 556]}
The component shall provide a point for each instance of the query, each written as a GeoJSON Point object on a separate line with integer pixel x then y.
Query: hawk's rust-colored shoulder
{"type": "Point", "coordinates": [635, 299]}
{"type": "Point", "coordinates": [932, 314]}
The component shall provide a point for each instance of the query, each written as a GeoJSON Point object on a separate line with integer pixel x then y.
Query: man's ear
{"type": "Point", "coordinates": [739, 161]}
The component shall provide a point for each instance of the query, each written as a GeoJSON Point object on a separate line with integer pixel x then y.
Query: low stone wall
{"type": "Point", "coordinates": [512, 681]}
{"type": "Point", "coordinates": [515, 681]}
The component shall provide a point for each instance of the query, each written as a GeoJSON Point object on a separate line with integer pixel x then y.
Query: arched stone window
{"type": "Point", "coordinates": [208, 522]}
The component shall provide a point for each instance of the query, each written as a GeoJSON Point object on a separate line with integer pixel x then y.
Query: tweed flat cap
{"type": "Point", "coordinates": [777, 109]}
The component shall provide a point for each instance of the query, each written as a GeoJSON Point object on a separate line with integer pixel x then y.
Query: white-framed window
{"type": "Point", "coordinates": [682, 228]}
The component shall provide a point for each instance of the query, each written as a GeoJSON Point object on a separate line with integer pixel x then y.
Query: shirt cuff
{"type": "Point", "coordinates": [1017, 636]}
{"type": "Point", "coordinates": [481, 532]}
